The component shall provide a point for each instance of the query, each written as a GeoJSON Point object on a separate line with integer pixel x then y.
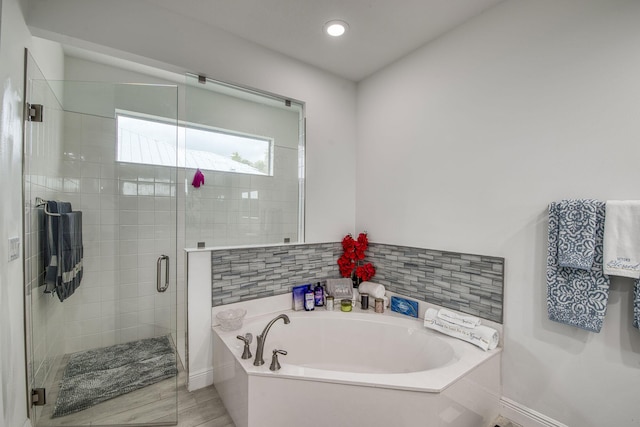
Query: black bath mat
{"type": "Point", "coordinates": [94, 376]}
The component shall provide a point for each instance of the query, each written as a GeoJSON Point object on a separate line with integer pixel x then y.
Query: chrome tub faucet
{"type": "Point", "coordinates": [263, 337]}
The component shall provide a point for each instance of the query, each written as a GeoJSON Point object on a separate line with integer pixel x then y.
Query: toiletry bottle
{"type": "Point", "coordinates": [318, 295]}
{"type": "Point", "coordinates": [309, 299]}
{"type": "Point", "coordinates": [329, 303]}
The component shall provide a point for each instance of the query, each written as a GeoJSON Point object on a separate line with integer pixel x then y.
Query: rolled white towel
{"type": "Point", "coordinates": [375, 290]}
{"type": "Point", "coordinates": [482, 336]}
{"type": "Point", "coordinates": [458, 319]}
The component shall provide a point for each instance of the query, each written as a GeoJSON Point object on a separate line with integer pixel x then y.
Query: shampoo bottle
{"type": "Point", "coordinates": [309, 299]}
{"type": "Point", "coordinates": [318, 295]}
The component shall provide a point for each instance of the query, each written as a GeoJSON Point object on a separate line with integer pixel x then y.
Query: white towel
{"type": "Point", "coordinates": [622, 238]}
{"type": "Point", "coordinates": [482, 336]}
{"type": "Point", "coordinates": [374, 290]}
{"type": "Point", "coordinates": [458, 319]}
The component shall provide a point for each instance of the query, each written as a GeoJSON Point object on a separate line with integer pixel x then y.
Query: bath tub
{"type": "Point", "coordinates": [353, 369]}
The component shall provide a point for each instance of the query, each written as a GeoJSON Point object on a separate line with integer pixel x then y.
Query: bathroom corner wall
{"type": "Point", "coordinates": [527, 103]}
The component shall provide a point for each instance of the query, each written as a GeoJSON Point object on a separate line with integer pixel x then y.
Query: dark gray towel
{"type": "Point", "coordinates": [63, 250]}
{"type": "Point", "coordinates": [52, 242]}
{"type": "Point", "coordinates": [71, 256]}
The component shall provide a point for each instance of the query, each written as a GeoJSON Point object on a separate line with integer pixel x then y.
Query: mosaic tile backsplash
{"type": "Point", "coordinates": [469, 283]}
{"type": "Point", "coordinates": [247, 273]}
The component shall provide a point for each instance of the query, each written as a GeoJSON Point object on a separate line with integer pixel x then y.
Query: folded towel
{"type": "Point", "coordinates": [622, 238]}
{"type": "Point", "coordinates": [374, 290]}
{"type": "Point", "coordinates": [458, 319]}
{"type": "Point", "coordinates": [340, 288]}
{"type": "Point", "coordinates": [482, 336]}
{"type": "Point", "coordinates": [576, 297]}
{"type": "Point", "coordinates": [636, 305]}
{"type": "Point", "coordinates": [577, 233]}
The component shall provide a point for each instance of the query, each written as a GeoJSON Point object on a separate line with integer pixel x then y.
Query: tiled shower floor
{"type": "Point", "coordinates": [152, 404]}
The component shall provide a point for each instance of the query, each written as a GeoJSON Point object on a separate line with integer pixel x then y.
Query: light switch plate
{"type": "Point", "coordinates": [14, 248]}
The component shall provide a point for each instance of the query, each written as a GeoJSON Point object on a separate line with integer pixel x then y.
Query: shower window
{"type": "Point", "coordinates": [144, 140]}
{"type": "Point", "coordinates": [265, 203]}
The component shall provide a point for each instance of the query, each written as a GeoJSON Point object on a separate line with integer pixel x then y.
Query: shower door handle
{"type": "Point", "coordinates": [159, 287]}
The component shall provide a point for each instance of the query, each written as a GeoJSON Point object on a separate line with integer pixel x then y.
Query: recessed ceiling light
{"type": "Point", "coordinates": [336, 28]}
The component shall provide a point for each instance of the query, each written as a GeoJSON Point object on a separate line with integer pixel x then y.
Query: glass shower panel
{"type": "Point", "coordinates": [121, 315]}
{"type": "Point", "coordinates": [250, 147]}
{"type": "Point", "coordinates": [41, 178]}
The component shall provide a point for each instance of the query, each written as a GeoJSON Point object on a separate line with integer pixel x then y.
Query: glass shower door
{"type": "Point", "coordinates": [106, 354]}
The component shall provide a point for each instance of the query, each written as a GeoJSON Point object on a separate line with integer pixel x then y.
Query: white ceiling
{"type": "Point", "coordinates": [381, 31]}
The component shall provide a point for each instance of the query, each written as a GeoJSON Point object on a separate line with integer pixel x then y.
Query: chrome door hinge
{"type": "Point", "coordinates": [38, 397]}
{"type": "Point", "coordinates": [34, 112]}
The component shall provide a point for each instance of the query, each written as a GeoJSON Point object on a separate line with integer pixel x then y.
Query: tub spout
{"type": "Point", "coordinates": [263, 337]}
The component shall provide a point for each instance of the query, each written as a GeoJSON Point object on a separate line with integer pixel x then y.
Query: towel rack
{"type": "Point", "coordinates": [40, 202]}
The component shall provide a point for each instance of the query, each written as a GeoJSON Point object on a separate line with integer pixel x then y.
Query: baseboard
{"type": "Point", "coordinates": [524, 416]}
{"type": "Point", "coordinates": [200, 380]}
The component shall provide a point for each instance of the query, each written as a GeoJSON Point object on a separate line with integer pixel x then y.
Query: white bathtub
{"type": "Point", "coordinates": [355, 369]}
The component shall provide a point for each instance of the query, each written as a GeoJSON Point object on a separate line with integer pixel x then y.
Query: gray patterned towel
{"type": "Point", "coordinates": [577, 233]}
{"type": "Point", "coordinates": [575, 296]}
{"type": "Point", "coordinates": [636, 305]}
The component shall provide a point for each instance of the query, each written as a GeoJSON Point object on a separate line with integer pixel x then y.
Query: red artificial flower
{"type": "Point", "coordinates": [366, 272]}
{"type": "Point", "coordinates": [346, 265]}
{"type": "Point", "coordinates": [363, 242]}
{"type": "Point", "coordinates": [354, 251]}
{"type": "Point", "coordinates": [348, 243]}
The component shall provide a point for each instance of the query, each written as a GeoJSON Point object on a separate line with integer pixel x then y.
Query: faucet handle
{"type": "Point", "coordinates": [246, 353]}
{"type": "Point", "coordinates": [275, 365]}
{"type": "Point", "coordinates": [246, 339]}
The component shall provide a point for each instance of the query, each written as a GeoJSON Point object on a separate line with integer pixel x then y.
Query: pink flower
{"type": "Point", "coordinates": [198, 179]}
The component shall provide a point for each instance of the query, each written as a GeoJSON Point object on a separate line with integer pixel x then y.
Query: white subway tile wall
{"type": "Point", "coordinates": [127, 224]}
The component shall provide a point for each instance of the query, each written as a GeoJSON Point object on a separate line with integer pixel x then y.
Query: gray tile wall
{"type": "Point", "coordinates": [247, 273]}
{"type": "Point", "coordinates": [469, 283]}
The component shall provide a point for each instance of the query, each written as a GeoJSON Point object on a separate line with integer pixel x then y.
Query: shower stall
{"type": "Point", "coordinates": [125, 155]}
{"type": "Point", "coordinates": [122, 320]}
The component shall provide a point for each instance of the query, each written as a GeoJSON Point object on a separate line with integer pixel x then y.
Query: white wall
{"type": "Point", "coordinates": [462, 145]}
{"type": "Point", "coordinates": [182, 45]}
